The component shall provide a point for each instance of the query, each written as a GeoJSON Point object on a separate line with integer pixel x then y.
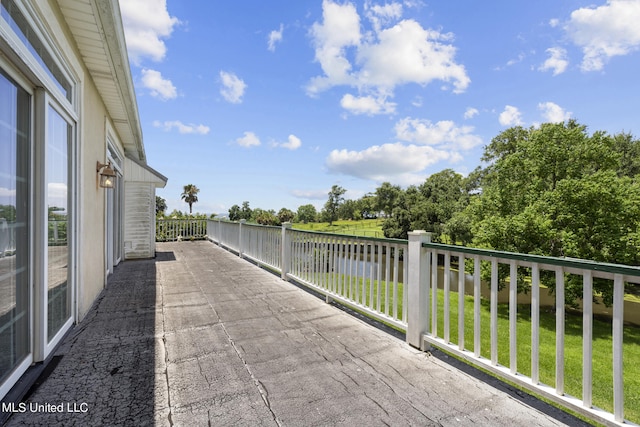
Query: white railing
{"type": "Point", "coordinates": [430, 315]}
{"type": "Point", "coordinates": [360, 272]}
{"type": "Point", "coordinates": [170, 230]}
{"type": "Point", "coordinates": [7, 238]}
{"type": "Point", "coordinates": [262, 244]}
{"type": "Point", "coordinates": [364, 273]}
{"type": "Point", "coordinates": [225, 234]}
{"type": "Point", "coordinates": [414, 286]}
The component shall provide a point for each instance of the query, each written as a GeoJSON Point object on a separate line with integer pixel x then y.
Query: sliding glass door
{"type": "Point", "coordinates": [38, 204]}
{"type": "Point", "coordinates": [15, 334]}
{"type": "Point", "coordinates": [58, 143]}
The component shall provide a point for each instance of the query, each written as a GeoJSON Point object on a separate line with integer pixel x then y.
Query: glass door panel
{"type": "Point", "coordinates": [58, 143]}
{"type": "Point", "coordinates": [15, 335]}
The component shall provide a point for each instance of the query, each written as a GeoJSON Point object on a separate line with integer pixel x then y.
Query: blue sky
{"type": "Point", "coordinates": [273, 102]}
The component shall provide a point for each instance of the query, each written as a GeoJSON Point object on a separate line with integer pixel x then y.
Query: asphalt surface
{"type": "Point", "coordinates": [200, 337]}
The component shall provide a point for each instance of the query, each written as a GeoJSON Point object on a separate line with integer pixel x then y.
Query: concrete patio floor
{"type": "Point", "coordinates": [199, 336]}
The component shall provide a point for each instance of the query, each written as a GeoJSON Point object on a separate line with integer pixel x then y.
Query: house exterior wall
{"type": "Point", "coordinates": [92, 147]}
{"type": "Point", "coordinates": [91, 244]}
{"type": "Point", "coordinates": [88, 129]}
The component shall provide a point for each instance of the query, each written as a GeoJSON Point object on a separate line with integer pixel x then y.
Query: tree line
{"type": "Point", "coordinates": [552, 190]}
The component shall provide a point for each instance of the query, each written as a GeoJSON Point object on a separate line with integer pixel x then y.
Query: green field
{"type": "Point", "coordinates": [365, 227]}
{"type": "Point", "coordinates": [602, 350]}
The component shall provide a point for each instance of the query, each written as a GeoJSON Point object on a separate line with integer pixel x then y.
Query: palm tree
{"type": "Point", "coordinates": [189, 195]}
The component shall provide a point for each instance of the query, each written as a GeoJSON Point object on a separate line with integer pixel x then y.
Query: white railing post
{"type": "Point", "coordinates": [417, 288]}
{"type": "Point", "coordinates": [286, 249]}
{"type": "Point", "coordinates": [240, 246]}
{"type": "Point", "coordinates": [617, 335]}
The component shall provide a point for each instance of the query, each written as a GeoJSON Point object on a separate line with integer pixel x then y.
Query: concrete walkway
{"type": "Point", "coordinates": [201, 337]}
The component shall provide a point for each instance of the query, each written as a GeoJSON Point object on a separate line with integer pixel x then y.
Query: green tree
{"type": "Point", "coordinates": [443, 194]}
{"type": "Point", "coordinates": [628, 150]}
{"type": "Point", "coordinates": [349, 210]}
{"type": "Point", "coordinates": [8, 212]}
{"type": "Point", "coordinates": [176, 214]}
{"type": "Point", "coordinates": [387, 198]}
{"type": "Point", "coordinates": [190, 195]}
{"type": "Point", "coordinates": [458, 228]}
{"type": "Point", "coordinates": [245, 211]}
{"type": "Point", "coordinates": [398, 221]}
{"type": "Point", "coordinates": [264, 217]}
{"type": "Point", "coordinates": [397, 225]}
{"type": "Point", "coordinates": [556, 190]}
{"type": "Point", "coordinates": [285, 215]}
{"type": "Point", "coordinates": [306, 213]}
{"type": "Point", "coordinates": [161, 206]}
{"type": "Point", "coordinates": [334, 202]}
{"type": "Point", "coordinates": [367, 206]}
{"type": "Point", "coordinates": [427, 207]}
{"type": "Point", "coordinates": [234, 213]}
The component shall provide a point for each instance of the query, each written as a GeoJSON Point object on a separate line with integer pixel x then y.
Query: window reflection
{"type": "Point", "coordinates": [18, 23]}
{"type": "Point", "coordinates": [59, 295]}
{"type": "Point", "coordinates": [15, 337]}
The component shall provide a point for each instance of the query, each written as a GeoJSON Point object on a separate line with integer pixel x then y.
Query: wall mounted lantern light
{"type": "Point", "coordinates": [107, 175]}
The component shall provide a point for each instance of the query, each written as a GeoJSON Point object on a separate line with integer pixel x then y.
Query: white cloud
{"type": "Point", "coordinates": [378, 61]}
{"type": "Point", "coordinates": [554, 22]}
{"type": "Point", "coordinates": [421, 144]}
{"type": "Point", "coordinates": [557, 61]}
{"type": "Point", "coordinates": [553, 113]}
{"type": "Point", "coordinates": [339, 30]}
{"type": "Point", "coordinates": [146, 23]}
{"type": "Point", "coordinates": [517, 60]}
{"type": "Point", "coordinates": [310, 194]}
{"type": "Point", "coordinates": [293, 143]}
{"type": "Point", "coordinates": [181, 127]}
{"type": "Point", "coordinates": [511, 116]}
{"type": "Point", "coordinates": [248, 140]}
{"type": "Point", "coordinates": [57, 194]}
{"type": "Point", "coordinates": [367, 105]}
{"type": "Point", "coordinates": [232, 87]}
{"type": "Point", "coordinates": [605, 31]}
{"type": "Point", "coordinates": [7, 192]}
{"type": "Point", "coordinates": [380, 15]}
{"type": "Point", "coordinates": [444, 134]}
{"type": "Point", "coordinates": [471, 112]}
{"type": "Point", "coordinates": [159, 86]}
{"type": "Point", "coordinates": [397, 162]}
{"type": "Point", "coordinates": [408, 53]}
{"type": "Point", "coordinates": [275, 36]}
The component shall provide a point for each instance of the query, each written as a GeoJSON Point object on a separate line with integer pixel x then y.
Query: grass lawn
{"type": "Point", "coordinates": [602, 350]}
{"type": "Point", "coordinates": [365, 227]}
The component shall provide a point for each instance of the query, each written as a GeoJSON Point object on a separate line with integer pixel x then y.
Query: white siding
{"type": "Point", "coordinates": [140, 209]}
{"type": "Point", "coordinates": [139, 228]}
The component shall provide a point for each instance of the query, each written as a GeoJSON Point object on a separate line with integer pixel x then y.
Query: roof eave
{"type": "Point", "coordinates": [107, 64]}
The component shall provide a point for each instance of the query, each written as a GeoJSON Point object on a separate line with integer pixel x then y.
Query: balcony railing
{"type": "Point", "coordinates": [414, 286]}
{"type": "Point", "coordinates": [171, 230]}
{"type": "Point", "coordinates": [7, 238]}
